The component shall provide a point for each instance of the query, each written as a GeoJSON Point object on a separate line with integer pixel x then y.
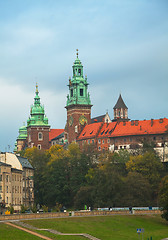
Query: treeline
{"type": "Point", "coordinates": [75, 178]}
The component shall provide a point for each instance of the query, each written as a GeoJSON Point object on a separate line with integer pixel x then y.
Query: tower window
{"type": "Point", "coordinates": [39, 146]}
{"type": "Point", "coordinates": [79, 71]}
{"type": "Point", "coordinates": [81, 92]}
{"type": "Point", "coordinates": [71, 92]}
{"type": "Point", "coordinates": [40, 136]}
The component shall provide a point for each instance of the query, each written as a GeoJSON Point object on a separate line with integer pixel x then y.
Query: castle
{"type": "Point", "coordinates": [104, 133]}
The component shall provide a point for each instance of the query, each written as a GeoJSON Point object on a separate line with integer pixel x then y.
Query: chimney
{"type": "Point", "coordinates": [151, 122]}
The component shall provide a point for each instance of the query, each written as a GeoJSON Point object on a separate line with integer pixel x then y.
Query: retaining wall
{"type": "Point", "coordinates": [73, 213]}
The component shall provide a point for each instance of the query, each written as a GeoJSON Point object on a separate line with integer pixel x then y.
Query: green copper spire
{"type": "Point", "coordinates": [37, 113]}
{"type": "Point", "coordinates": [78, 86]}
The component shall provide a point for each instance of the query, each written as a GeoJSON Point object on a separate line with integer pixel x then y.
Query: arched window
{"type": "Point", "coordinates": [40, 136]}
{"type": "Point", "coordinates": [39, 146]}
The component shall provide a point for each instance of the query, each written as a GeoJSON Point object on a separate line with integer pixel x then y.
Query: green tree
{"type": "Point", "coordinates": [39, 160]}
{"type": "Point", "coordinates": [163, 197]}
{"type": "Point", "coordinates": [150, 166]}
{"type": "Point", "coordinates": [84, 197]}
{"type": "Point", "coordinates": [137, 190]}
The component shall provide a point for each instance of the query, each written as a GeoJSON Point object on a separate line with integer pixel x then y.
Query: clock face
{"type": "Point", "coordinates": [82, 120]}
{"type": "Point", "coordinates": [70, 121]}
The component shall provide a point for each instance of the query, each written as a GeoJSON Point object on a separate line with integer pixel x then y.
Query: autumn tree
{"type": "Point", "coordinates": [150, 166]}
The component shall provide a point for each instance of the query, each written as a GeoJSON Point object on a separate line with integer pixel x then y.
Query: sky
{"type": "Point", "coordinates": [123, 46]}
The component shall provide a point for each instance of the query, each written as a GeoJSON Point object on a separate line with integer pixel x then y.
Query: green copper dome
{"type": "Point", "coordinates": [15, 148]}
{"type": "Point", "coordinates": [78, 86]}
{"type": "Point", "coordinates": [22, 133]}
{"type": "Point", "coordinates": [37, 113]}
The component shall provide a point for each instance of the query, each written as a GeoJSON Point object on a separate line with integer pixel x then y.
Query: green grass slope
{"type": "Point", "coordinates": [108, 227]}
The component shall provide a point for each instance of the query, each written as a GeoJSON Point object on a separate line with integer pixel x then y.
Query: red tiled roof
{"type": "Point", "coordinates": [90, 130]}
{"type": "Point", "coordinates": [155, 126]}
{"type": "Point", "coordinates": [107, 129]}
{"type": "Point", "coordinates": [54, 133]}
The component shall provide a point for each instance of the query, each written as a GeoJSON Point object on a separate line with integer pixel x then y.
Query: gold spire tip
{"type": "Point", "coordinates": [77, 52]}
{"type": "Point", "coordinates": [36, 87]}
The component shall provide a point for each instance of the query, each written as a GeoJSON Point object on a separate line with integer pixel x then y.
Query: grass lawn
{"type": "Point", "coordinates": [106, 227]}
{"type": "Point", "coordinates": [8, 233]}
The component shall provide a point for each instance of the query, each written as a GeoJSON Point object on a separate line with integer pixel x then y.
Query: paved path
{"type": "Point", "coordinates": [23, 227]}
{"type": "Point", "coordinates": [29, 231]}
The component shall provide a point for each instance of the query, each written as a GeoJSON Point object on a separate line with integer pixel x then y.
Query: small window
{"type": "Point", "coordinates": [108, 140]}
{"type": "Point", "coordinates": [7, 189]}
{"type": "Point", "coordinates": [88, 141]}
{"type": "Point", "coordinates": [71, 92]}
{"type": "Point", "coordinates": [99, 141]}
{"type": "Point", "coordinates": [124, 147]}
{"type": "Point", "coordinates": [120, 147]}
{"type": "Point", "coordinates": [79, 72]}
{"type": "Point", "coordinates": [40, 136]}
{"type": "Point", "coordinates": [103, 141]}
{"type": "Point", "coordinates": [154, 138]}
{"type": "Point", "coordinates": [92, 140]}
{"type": "Point", "coordinates": [81, 92]}
{"type": "Point", "coordinates": [99, 148]}
{"type": "Point", "coordinates": [76, 128]}
{"type": "Point", "coordinates": [39, 146]}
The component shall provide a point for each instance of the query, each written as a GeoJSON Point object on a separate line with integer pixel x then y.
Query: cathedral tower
{"type": "Point", "coordinates": [21, 141]}
{"type": "Point", "coordinates": [120, 110]}
{"type": "Point", "coordinates": [37, 125]}
{"type": "Point", "coordinates": [78, 102]}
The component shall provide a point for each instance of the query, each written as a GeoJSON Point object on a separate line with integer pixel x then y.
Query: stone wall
{"type": "Point", "coordinates": [76, 214]}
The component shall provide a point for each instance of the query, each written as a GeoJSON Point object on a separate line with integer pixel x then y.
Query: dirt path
{"type": "Point", "coordinates": [29, 231]}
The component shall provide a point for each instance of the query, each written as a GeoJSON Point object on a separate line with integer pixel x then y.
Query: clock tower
{"type": "Point", "coordinates": [78, 102]}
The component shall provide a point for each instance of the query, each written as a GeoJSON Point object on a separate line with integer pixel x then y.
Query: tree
{"type": "Point", "coordinates": [84, 197]}
{"type": "Point", "coordinates": [107, 186]}
{"type": "Point", "coordinates": [150, 167]}
{"type": "Point", "coordinates": [137, 190]}
{"type": "Point", "coordinates": [39, 160]}
{"type": "Point", "coordinates": [163, 197]}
